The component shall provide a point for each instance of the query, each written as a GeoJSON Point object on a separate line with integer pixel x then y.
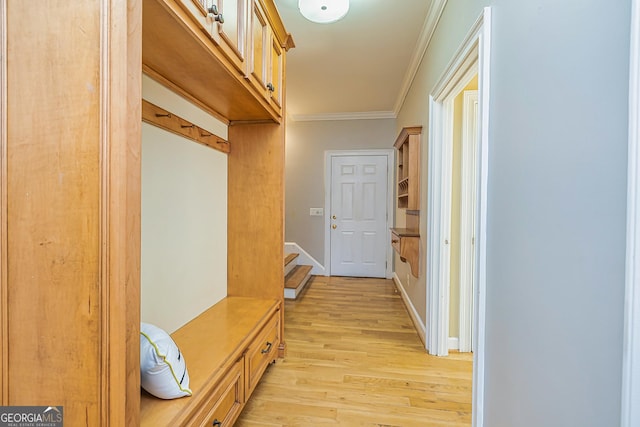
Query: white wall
{"type": "Point", "coordinates": [306, 143]}
{"type": "Point", "coordinates": [556, 208]}
{"type": "Point", "coordinates": [556, 212]}
{"type": "Point", "coordinates": [184, 219]}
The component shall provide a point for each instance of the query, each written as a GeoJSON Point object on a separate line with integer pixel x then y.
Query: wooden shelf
{"type": "Point", "coordinates": [406, 241]}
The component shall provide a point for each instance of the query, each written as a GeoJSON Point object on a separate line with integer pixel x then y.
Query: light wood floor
{"type": "Point", "coordinates": [354, 359]}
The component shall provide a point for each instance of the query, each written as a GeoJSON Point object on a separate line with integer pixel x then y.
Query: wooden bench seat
{"type": "Point", "coordinates": [226, 349]}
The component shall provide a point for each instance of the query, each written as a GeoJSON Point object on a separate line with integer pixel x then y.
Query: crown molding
{"type": "Point", "coordinates": [362, 115]}
{"type": "Point", "coordinates": [429, 27]}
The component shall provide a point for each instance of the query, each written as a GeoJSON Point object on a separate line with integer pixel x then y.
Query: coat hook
{"type": "Point", "coordinates": [186, 126]}
{"type": "Point", "coordinates": [204, 135]}
{"type": "Point", "coordinates": [163, 115]}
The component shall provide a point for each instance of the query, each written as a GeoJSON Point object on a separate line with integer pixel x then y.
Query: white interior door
{"type": "Point", "coordinates": [358, 214]}
{"type": "Point", "coordinates": [468, 217]}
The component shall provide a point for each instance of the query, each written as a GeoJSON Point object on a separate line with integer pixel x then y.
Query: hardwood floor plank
{"type": "Point", "coordinates": [355, 359]}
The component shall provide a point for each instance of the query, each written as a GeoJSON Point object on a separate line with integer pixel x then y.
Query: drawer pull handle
{"type": "Point", "coordinates": [216, 423]}
{"type": "Point", "coordinates": [267, 349]}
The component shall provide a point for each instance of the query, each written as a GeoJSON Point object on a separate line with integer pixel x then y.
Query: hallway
{"type": "Point", "coordinates": [354, 358]}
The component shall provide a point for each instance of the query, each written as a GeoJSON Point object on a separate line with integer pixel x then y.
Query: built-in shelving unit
{"type": "Point", "coordinates": [406, 241]}
{"type": "Point", "coordinates": [408, 146]}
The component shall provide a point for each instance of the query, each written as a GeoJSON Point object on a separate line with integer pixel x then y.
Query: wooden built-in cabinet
{"type": "Point", "coordinates": [242, 32]}
{"type": "Point", "coordinates": [406, 241]}
{"type": "Point", "coordinates": [70, 185]}
{"type": "Point", "coordinates": [181, 51]}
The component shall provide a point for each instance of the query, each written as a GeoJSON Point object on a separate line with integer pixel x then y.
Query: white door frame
{"type": "Point", "coordinates": [467, 216]}
{"type": "Point", "coordinates": [439, 205]}
{"type": "Point", "coordinates": [631, 349]}
{"type": "Point", "coordinates": [473, 55]}
{"type": "Point", "coordinates": [328, 155]}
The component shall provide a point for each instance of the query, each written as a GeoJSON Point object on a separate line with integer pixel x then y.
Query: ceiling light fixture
{"type": "Point", "coordinates": [323, 11]}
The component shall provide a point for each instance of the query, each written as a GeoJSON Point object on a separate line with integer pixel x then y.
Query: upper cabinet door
{"type": "Point", "coordinates": [275, 76]}
{"type": "Point", "coordinates": [266, 61]}
{"type": "Point", "coordinates": [228, 29]}
{"type": "Point", "coordinates": [198, 10]}
{"type": "Point", "coordinates": [225, 22]}
{"type": "Point", "coordinates": [259, 42]}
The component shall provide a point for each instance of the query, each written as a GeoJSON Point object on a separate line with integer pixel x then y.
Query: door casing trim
{"type": "Point", "coordinates": [630, 412]}
{"type": "Point", "coordinates": [475, 50]}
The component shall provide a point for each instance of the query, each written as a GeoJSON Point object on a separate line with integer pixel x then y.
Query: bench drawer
{"type": "Point", "coordinates": [262, 351]}
{"type": "Point", "coordinates": [226, 400]}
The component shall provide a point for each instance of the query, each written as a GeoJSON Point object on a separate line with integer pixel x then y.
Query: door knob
{"type": "Point", "coordinates": [334, 217]}
{"type": "Point", "coordinates": [334, 226]}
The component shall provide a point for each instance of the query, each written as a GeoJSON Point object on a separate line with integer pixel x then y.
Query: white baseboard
{"type": "Point", "coordinates": [454, 343]}
{"type": "Point", "coordinates": [413, 313]}
{"type": "Point", "coordinates": [304, 258]}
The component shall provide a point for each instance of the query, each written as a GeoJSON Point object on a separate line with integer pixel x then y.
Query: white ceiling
{"type": "Point", "coordinates": [357, 67]}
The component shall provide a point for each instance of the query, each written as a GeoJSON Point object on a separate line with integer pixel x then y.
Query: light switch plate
{"type": "Point", "coordinates": [316, 211]}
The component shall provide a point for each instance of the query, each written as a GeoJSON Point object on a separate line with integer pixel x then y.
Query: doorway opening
{"type": "Point", "coordinates": [463, 212]}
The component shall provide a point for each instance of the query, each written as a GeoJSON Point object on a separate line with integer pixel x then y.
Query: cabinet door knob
{"type": "Point", "coordinates": [213, 10]}
{"type": "Point", "coordinates": [334, 226]}
{"type": "Point", "coordinates": [270, 87]}
{"type": "Point", "coordinates": [334, 217]}
{"type": "Point", "coordinates": [216, 423]}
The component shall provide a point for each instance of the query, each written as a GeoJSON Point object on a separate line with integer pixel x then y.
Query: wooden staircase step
{"type": "Point", "coordinates": [296, 280]}
{"type": "Point", "coordinates": [290, 263]}
{"type": "Point", "coordinates": [293, 279]}
{"type": "Point", "coordinates": [290, 257]}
